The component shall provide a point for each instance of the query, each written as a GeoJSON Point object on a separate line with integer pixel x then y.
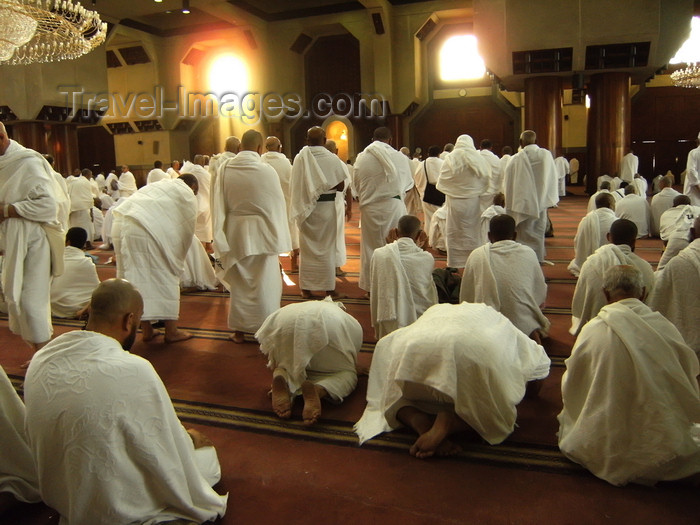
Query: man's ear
{"type": "Point", "coordinates": [607, 296]}
{"type": "Point", "coordinates": [490, 237]}
{"type": "Point", "coordinates": [644, 294]}
{"type": "Point", "coordinates": [127, 321]}
{"type": "Point", "coordinates": [607, 236]}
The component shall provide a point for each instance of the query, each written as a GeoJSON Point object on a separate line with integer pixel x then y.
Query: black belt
{"type": "Point", "coordinates": [326, 197]}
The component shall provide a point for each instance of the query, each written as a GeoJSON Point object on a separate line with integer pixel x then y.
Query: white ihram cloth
{"type": "Point", "coordinates": [62, 200]}
{"type": "Point", "coordinates": [402, 285]}
{"type": "Point", "coordinates": [381, 177]}
{"type": "Point", "coordinates": [588, 295]}
{"type": "Point", "coordinates": [591, 202]}
{"type": "Point", "coordinates": [316, 171]}
{"type": "Point", "coordinates": [468, 353]}
{"type": "Point", "coordinates": [614, 182]}
{"type": "Point", "coordinates": [172, 173]}
{"type": "Point", "coordinates": [155, 175]}
{"type": "Point", "coordinates": [152, 232]}
{"type": "Point", "coordinates": [81, 202]}
{"type": "Point", "coordinates": [507, 276]}
{"type": "Point", "coordinates": [485, 220]}
{"type": "Point", "coordinates": [630, 396]}
{"type": "Point", "coordinates": [656, 181]}
{"type": "Point", "coordinates": [127, 184]}
{"type": "Point", "coordinates": [98, 220]}
{"type": "Point", "coordinates": [629, 167]}
{"type": "Point", "coordinates": [464, 178]}
{"type": "Point", "coordinates": [108, 446]}
{"type": "Point", "coordinates": [562, 167]}
{"type": "Point", "coordinates": [677, 294]}
{"type": "Point", "coordinates": [573, 169]}
{"type": "Point", "coordinates": [591, 234]}
{"type": "Point", "coordinates": [675, 225]}
{"type": "Point", "coordinates": [428, 171]}
{"type": "Point", "coordinates": [203, 228]}
{"type": "Point", "coordinates": [691, 186]}
{"type": "Point", "coordinates": [636, 209]}
{"type": "Point", "coordinates": [72, 290]}
{"type": "Point", "coordinates": [641, 184]}
{"type": "Point", "coordinates": [281, 164]}
{"type": "Point", "coordinates": [530, 188]}
{"type": "Point", "coordinates": [32, 245]}
{"type": "Point", "coordinates": [101, 182]}
{"type": "Point", "coordinates": [341, 253]}
{"type": "Point", "coordinates": [111, 181]}
{"type": "Point", "coordinates": [436, 235]}
{"type": "Point", "coordinates": [661, 202]}
{"type": "Point", "coordinates": [17, 471]}
{"type": "Point", "coordinates": [316, 341]}
{"type": "Point", "coordinates": [198, 271]}
{"type": "Point", "coordinates": [496, 178]}
{"type": "Point", "coordinates": [250, 231]}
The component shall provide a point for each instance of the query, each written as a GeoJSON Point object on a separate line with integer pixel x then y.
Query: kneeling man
{"type": "Point", "coordinates": [630, 391]}
{"type": "Point", "coordinates": [107, 444]}
{"type": "Point", "coordinates": [312, 349]}
{"type": "Point", "coordinates": [457, 366]}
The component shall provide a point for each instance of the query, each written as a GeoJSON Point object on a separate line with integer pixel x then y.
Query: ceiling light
{"type": "Point", "coordinates": [186, 7]}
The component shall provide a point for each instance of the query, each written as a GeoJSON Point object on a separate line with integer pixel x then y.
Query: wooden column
{"type": "Point", "coordinates": [394, 124]}
{"type": "Point", "coordinates": [543, 105]}
{"type": "Point", "coordinates": [57, 139]}
{"type": "Point", "coordinates": [609, 120]}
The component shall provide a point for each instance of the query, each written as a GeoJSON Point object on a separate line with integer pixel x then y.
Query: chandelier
{"type": "Point", "coordinates": [34, 31]}
{"type": "Point", "coordinates": [687, 77]}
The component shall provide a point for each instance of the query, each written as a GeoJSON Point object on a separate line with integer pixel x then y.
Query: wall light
{"type": "Point", "coordinates": [186, 7]}
{"type": "Point", "coordinates": [460, 60]}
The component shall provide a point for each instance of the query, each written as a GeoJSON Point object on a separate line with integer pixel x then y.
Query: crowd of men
{"type": "Point", "coordinates": [630, 392]}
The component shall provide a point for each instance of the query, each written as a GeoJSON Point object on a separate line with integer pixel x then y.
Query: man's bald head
{"type": "Point", "coordinates": [198, 159]}
{"type": "Point", "coordinates": [605, 200]}
{"type": "Point", "coordinates": [4, 139]}
{"type": "Point", "coordinates": [252, 141]}
{"type": "Point", "coordinates": [316, 136]}
{"type": "Point", "coordinates": [666, 182]}
{"type": "Point", "coordinates": [382, 134]}
{"type": "Point", "coordinates": [528, 137]}
{"type": "Point", "coordinates": [112, 300]}
{"type": "Point", "coordinates": [681, 200]}
{"type": "Point", "coordinates": [405, 151]}
{"type": "Point", "coordinates": [623, 282]}
{"type": "Point", "coordinates": [623, 231]}
{"type": "Point", "coordinates": [233, 144]}
{"type": "Point", "coordinates": [191, 181]}
{"type": "Point", "coordinates": [605, 185]}
{"type": "Point", "coordinates": [409, 226]}
{"type": "Point", "coordinates": [502, 228]}
{"type": "Point", "coordinates": [272, 143]}
{"type": "Point", "coordinates": [630, 189]}
{"type": "Point", "coordinates": [332, 146]}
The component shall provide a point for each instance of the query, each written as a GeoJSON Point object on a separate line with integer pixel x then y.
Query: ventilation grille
{"type": "Point", "coordinates": [134, 55]}
{"type": "Point", "coordinates": [120, 128]}
{"type": "Point", "coordinates": [53, 114]}
{"type": "Point", "coordinates": [617, 56]}
{"type": "Point", "coordinates": [6, 114]}
{"type": "Point", "coordinates": [112, 59]}
{"type": "Point", "coordinates": [542, 61]}
{"type": "Point", "coordinates": [84, 116]}
{"type": "Point", "coordinates": [148, 125]}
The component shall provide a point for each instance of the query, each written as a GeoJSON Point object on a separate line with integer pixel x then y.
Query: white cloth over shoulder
{"type": "Point", "coordinates": [72, 290]}
{"type": "Point", "coordinates": [661, 202]}
{"type": "Point", "coordinates": [127, 184]}
{"type": "Point", "coordinates": [313, 336]}
{"type": "Point", "coordinates": [203, 227]}
{"type": "Point", "coordinates": [17, 471]}
{"type": "Point", "coordinates": [507, 276]}
{"type": "Point", "coordinates": [155, 175]}
{"type": "Point", "coordinates": [381, 172]}
{"type": "Point", "coordinates": [108, 445]}
{"type": "Point", "coordinates": [530, 183]}
{"type": "Point", "coordinates": [588, 295]}
{"type": "Point", "coordinates": [591, 234]}
{"type": "Point", "coordinates": [402, 285]}
{"type": "Point", "coordinates": [469, 353]}
{"type": "Point", "coordinates": [630, 396]}
{"type": "Point", "coordinates": [629, 167]}
{"type": "Point", "coordinates": [485, 220]}
{"type": "Point", "coordinates": [677, 294]}
{"type": "Point", "coordinates": [198, 271]}
{"type": "Point", "coordinates": [562, 166]}
{"type": "Point", "coordinates": [691, 186]}
{"type": "Point", "coordinates": [281, 164]}
{"type": "Point", "coordinates": [636, 209]}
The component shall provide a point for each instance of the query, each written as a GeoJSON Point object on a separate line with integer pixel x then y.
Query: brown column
{"type": "Point", "coordinates": [60, 140]}
{"type": "Point", "coordinates": [393, 122]}
{"type": "Point", "coordinates": [608, 125]}
{"type": "Point", "coordinates": [543, 103]}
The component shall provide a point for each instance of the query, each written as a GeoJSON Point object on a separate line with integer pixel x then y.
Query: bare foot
{"type": "Point", "coordinates": [237, 337]}
{"type": "Point", "coordinates": [428, 444]}
{"type": "Point", "coordinates": [415, 419]}
{"type": "Point", "coordinates": [147, 332]}
{"type": "Point", "coordinates": [312, 403]}
{"type": "Point", "coordinates": [281, 399]}
{"type": "Point", "coordinates": [177, 336]}
{"type": "Point", "coordinates": [306, 294]}
{"type": "Point", "coordinates": [362, 370]}
{"type": "Point", "coordinates": [339, 272]}
{"type": "Point", "coordinates": [335, 295]}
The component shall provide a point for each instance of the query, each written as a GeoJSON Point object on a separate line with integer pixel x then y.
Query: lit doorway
{"type": "Point", "coordinates": [338, 131]}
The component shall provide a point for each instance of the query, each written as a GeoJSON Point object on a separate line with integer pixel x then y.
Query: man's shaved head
{"type": "Point", "coordinates": [233, 144]}
{"type": "Point", "coordinates": [499, 200]}
{"type": "Point", "coordinates": [630, 189]}
{"type": "Point", "coordinates": [252, 141]}
{"type": "Point", "coordinates": [623, 282]}
{"type": "Point", "coordinates": [623, 231]}
{"type": "Point", "coordinates": [449, 147]}
{"type": "Point", "coordinates": [434, 151]}
{"type": "Point", "coordinates": [507, 150]}
{"type": "Point", "coordinates": [409, 226]}
{"type": "Point", "coordinates": [382, 134]}
{"type": "Point", "coordinates": [605, 185]}
{"type": "Point", "coordinates": [528, 137]}
{"type": "Point", "coordinates": [666, 182]}
{"type": "Point", "coordinates": [316, 136]}
{"type": "Point", "coordinates": [112, 299]}
{"type": "Point", "coordinates": [272, 143]}
{"type": "Point", "coordinates": [605, 200]}
{"type": "Point", "coordinates": [332, 146]}
{"type": "Point", "coordinates": [405, 151]}
{"type": "Point", "coordinates": [191, 181]}
{"type": "Point", "coordinates": [681, 200]}
{"type": "Point", "coordinates": [198, 159]}
{"type": "Point", "coordinates": [4, 139]}
{"type": "Point", "coordinates": [502, 228]}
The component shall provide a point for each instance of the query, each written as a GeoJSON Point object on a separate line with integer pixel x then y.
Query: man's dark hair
{"type": "Point", "coordinates": [157, 164]}
{"type": "Point", "coordinates": [190, 180]}
{"type": "Point", "coordinates": [76, 237]}
{"type": "Point", "coordinates": [434, 151]}
{"type": "Point", "coordinates": [681, 200]}
{"type": "Point", "coordinates": [604, 200]}
{"type": "Point", "coordinates": [623, 231]}
{"type": "Point", "coordinates": [486, 144]}
{"type": "Point", "coordinates": [409, 226]}
{"type": "Point", "coordinates": [382, 134]}
{"type": "Point", "coordinates": [502, 228]}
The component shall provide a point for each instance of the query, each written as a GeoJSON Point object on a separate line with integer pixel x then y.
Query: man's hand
{"type": "Point", "coordinates": [393, 235]}
{"type": "Point", "coordinates": [422, 240]}
{"type": "Point", "coordinates": [199, 439]}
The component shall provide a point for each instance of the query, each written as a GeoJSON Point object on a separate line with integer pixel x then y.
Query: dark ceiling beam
{"type": "Point", "coordinates": [289, 14]}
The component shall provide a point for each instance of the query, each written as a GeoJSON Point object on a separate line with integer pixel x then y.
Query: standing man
{"type": "Point", "coordinates": [30, 238]}
{"type": "Point", "coordinates": [250, 231]}
{"type": "Point", "coordinates": [127, 182]}
{"type": "Point", "coordinates": [156, 173]}
{"type": "Point", "coordinates": [317, 175]}
{"type": "Point", "coordinates": [629, 166]}
{"type": "Point", "coordinates": [464, 178]}
{"type": "Point", "coordinates": [81, 202]}
{"type": "Point", "coordinates": [203, 227]}
{"type": "Point", "coordinates": [381, 177]}
{"type": "Point", "coordinates": [281, 164]}
{"type": "Point", "coordinates": [691, 187]}
{"type": "Point", "coordinates": [496, 179]}
{"type": "Point", "coordinates": [563, 168]}
{"type": "Point", "coordinates": [343, 211]}
{"type": "Point", "coordinates": [174, 169]}
{"type": "Point", "coordinates": [530, 187]}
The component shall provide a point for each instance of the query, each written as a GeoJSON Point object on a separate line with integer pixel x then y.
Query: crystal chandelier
{"type": "Point", "coordinates": [687, 77]}
{"type": "Point", "coordinates": [47, 31]}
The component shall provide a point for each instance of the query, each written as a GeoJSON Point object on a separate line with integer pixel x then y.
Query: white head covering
{"type": "Point", "coordinates": [465, 155]}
